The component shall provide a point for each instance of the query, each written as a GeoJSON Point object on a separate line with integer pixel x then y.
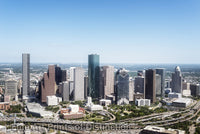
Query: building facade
{"type": "Point", "coordinates": [161, 72]}
{"type": "Point", "coordinates": [177, 80]}
{"type": "Point", "coordinates": [25, 74]}
{"type": "Point", "coordinates": [78, 84]}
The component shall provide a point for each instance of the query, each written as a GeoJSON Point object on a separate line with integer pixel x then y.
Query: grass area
{"type": "Point", "coordinates": [15, 109]}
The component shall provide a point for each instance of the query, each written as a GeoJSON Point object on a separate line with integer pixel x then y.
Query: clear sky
{"type": "Point", "coordinates": [121, 31]}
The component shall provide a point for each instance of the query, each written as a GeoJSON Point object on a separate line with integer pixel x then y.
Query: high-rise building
{"type": "Point", "coordinates": [122, 87]}
{"type": "Point", "coordinates": [85, 86]}
{"type": "Point", "coordinates": [139, 84]}
{"type": "Point", "coordinates": [195, 89]}
{"type": "Point", "coordinates": [71, 73]}
{"type": "Point", "coordinates": [25, 74]}
{"type": "Point", "coordinates": [64, 75]}
{"type": "Point", "coordinates": [131, 89]}
{"type": "Point", "coordinates": [65, 91]}
{"type": "Point", "coordinates": [150, 85]}
{"type": "Point", "coordinates": [177, 81]}
{"type": "Point", "coordinates": [106, 81]}
{"type": "Point", "coordinates": [78, 84]}
{"type": "Point", "coordinates": [48, 83]}
{"type": "Point", "coordinates": [11, 88]}
{"type": "Point", "coordinates": [158, 85]}
{"type": "Point", "coordinates": [93, 76]}
{"type": "Point", "coordinates": [161, 72]}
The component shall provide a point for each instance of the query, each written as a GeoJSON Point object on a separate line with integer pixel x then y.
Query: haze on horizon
{"type": "Point", "coordinates": [131, 31]}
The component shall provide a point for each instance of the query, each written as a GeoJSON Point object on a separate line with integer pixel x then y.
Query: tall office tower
{"type": "Point", "coordinates": [71, 73]}
{"type": "Point", "coordinates": [58, 74]}
{"type": "Point", "coordinates": [78, 84]}
{"type": "Point", "coordinates": [161, 72]}
{"type": "Point", "coordinates": [177, 80]}
{"type": "Point", "coordinates": [65, 91]}
{"type": "Point", "coordinates": [93, 76]}
{"type": "Point", "coordinates": [150, 85]}
{"type": "Point", "coordinates": [195, 90]}
{"type": "Point", "coordinates": [11, 88]}
{"type": "Point", "coordinates": [25, 74]}
{"type": "Point", "coordinates": [131, 89]}
{"type": "Point", "coordinates": [122, 87]}
{"type": "Point", "coordinates": [106, 81]}
{"type": "Point", "coordinates": [71, 90]}
{"type": "Point", "coordinates": [85, 86]}
{"type": "Point", "coordinates": [139, 84]}
{"type": "Point", "coordinates": [64, 75]}
{"type": "Point", "coordinates": [48, 83]}
{"type": "Point", "coordinates": [158, 85]}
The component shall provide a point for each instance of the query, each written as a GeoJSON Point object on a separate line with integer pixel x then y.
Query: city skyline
{"type": "Point", "coordinates": [121, 32]}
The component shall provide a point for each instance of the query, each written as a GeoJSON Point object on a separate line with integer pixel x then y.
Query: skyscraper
{"type": "Point", "coordinates": [11, 88]}
{"type": "Point", "coordinates": [139, 84]}
{"type": "Point", "coordinates": [78, 84]}
{"type": "Point", "coordinates": [85, 86]}
{"type": "Point", "coordinates": [106, 81]}
{"type": "Point", "coordinates": [25, 74]}
{"type": "Point", "coordinates": [177, 80]}
{"type": "Point", "coordinates": [161, 72]}
{"type": "Point", "coordinates": [48, 83]}
{"type": "Point", "coordinates": [150, 85]}
{"type": "Point", "coordinates": [93, 75]}
{"type": "Point", "coordinates": [122, 87]}
{"type": "Point", "coordinates": [158, 85]}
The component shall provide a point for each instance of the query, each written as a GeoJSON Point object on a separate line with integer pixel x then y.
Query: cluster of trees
{"type": "Point", "coordinates": [14, 109]}
{"type": "Point", "coordinates": [160, 110]}
{"type": "Point", "coordinates": [52, 108]}
{"type": "Point", "coordinates": [182, 126]}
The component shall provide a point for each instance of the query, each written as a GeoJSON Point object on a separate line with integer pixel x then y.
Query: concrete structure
{"type": "Point", "coordinates": [93, 76]}
{"type": "Point", "coordinates": [139, 84]}
{"type": "Point", "coordinates": [25, 74]}
{"type": "Point", "coordinates": [65, 91]}
{"type": "Point", "coordinates": [105, 102]}
{"type": "Point", "coordinates": [6, 98]}
{"type": "Point", "coordinates": [11, 88]}
{"type": "Point", "coordinates": [2, 129]}
{"type": "Point", "coordinates": [53, 100]}
{"type": "Point", "coordinates": [37, 110]}
{"type": "Point", "coordinates": [182, 102]}
{"type": "Point", "coordinates": [177, 80]}
{"type": "Point", "coordinates": [138, 96]}
{"type": "Point", "coordinates": [158, 85]}
{"type": "Point", "coordinates": [131, 89]}
{"type": "Point", "coordinates": [71, 73]}
{"type": "Point", "coordinates": [78, 84]}
{"type": "Point", "coordinates": [186, 93]}
{"type": "Point", "coordinates": [161, 72]}
{"type": "Point", "coordinates": [122, 87]}
{"type": "Point", "coordinates": [150, 85]}
{"type": "Point", "coordinates": [106, 81]}
{"type": "Point", "coordinates": [142, 102]}
{"type": "Point", "coordinates": [92, 107]}
{"type": "Point", "coordinates": [160, 130]}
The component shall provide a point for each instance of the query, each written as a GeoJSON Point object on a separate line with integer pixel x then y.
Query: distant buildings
{"type": "Point", "coordinates": [150, 85]}
{"type": "Point", "coordinates": [122, 87]}
{"type": "Point", "coordinates": [106, 81]}
{"type": "Point", "coordinates": [93, 76]}
{"type": "Point", "coordinates": [25, 74]}
{"type": "Point", "coordinates": [177, 81]}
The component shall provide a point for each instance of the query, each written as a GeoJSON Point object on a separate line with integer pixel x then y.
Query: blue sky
{"type": "Point", "coordinates": [121, 31]}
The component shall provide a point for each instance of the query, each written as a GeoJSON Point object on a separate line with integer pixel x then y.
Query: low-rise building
{"type": "Point", "coordinates": [4, 105]}
{"type": "Point", "coordinates": [105, 102]}
{"type": "Point", "coordinates": [173, 95]}
{"type": "Point", "coordinates": [92, 107]}
{"type": "Point", "coordinates": [53, 100]}
{"type": "Point", "coordinates": [143, 102]}
{"type": "Point", "coordinates": [160, 130]}
{"type": "Point", "coordinates": [182, 102]}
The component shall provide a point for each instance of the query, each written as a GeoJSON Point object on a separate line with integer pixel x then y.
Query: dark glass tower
{"type": "Point", "coordinates": [93, 75]}
{"type": "Point", "coordinates": [25, 74]}
{"type": "Point", "coordinates": [161, 72]}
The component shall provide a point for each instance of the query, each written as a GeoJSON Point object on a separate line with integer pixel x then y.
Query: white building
{"type": "Point", "coordinates": [182, 102]}
{"type": "Point", "coordinates": [187, 93]}
{"type": "Point", "coordinates": [142, 102]}
{"type": "Point", "coordinates": [174, 95]}
{"type": "Point", "coordinates": [105, 102]}
{"type": "Point", "coordinates": [92, 107]}
{"type": "Point", "coordinates": [53, 100]}
{"type": "Point", "coordinates": [78, 84]}
{"type": "Point", "coordinates": [74, 108]}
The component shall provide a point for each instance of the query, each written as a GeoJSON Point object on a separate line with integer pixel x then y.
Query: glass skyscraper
{"type": "Point", "coordinates": [93, 75]}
